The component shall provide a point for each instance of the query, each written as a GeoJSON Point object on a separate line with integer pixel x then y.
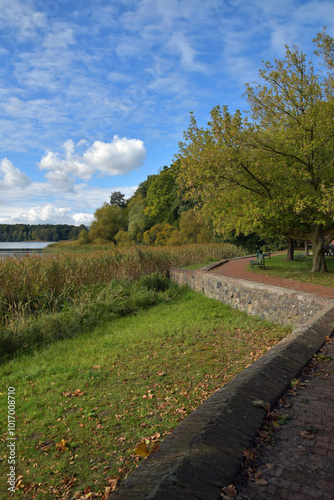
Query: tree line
{"type": "Point", "coordinates": [39, 232]}
{"type": "Point", "coordinates": [267, 172]}
{"type": "Point", "coordinates": [156, 214]}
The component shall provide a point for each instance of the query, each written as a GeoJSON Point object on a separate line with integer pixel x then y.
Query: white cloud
{"type": "Point", "coordinates": [117, 157]}
{"type": "Point", "coordinates": [46, 213]}
{"type": "Point", "coordinates": [115, 76]}
{"type": "Point", "coordinates": [81, 218]}
{"type": "Point", "coordinates": [61, 180]}
{"type": "Point", "coordinates": [12, 176]}
{"type": "Point", "coordinates": [120, 156]}
{"type": "Point", "coordinates": [181, 46]}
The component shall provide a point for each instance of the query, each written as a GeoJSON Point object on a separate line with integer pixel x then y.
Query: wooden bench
{"type": "Point", "coordinates": [258, 262]}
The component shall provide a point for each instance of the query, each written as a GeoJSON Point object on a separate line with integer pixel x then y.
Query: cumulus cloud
{"type": "Point", "coordinates": [11, 176]}
{"type": "Point", "coordinates": [82, 218]}
{"type": "Point", "coordinates": [117, 157]}
{"type": "Point", "coordinates": [50, 213]}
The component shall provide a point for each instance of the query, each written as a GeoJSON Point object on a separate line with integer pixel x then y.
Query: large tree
{"type": "Point", "coordinates": [270, 170]}
{"type": "Point", "coordinates": [161, 199]}
{"type": "Point", "coordinates": [108, 221]}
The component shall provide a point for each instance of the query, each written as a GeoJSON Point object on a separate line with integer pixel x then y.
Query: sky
{"type": "Point", "coordinates": [95, 95]}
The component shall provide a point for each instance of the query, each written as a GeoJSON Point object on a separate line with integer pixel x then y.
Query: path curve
{"type": "Point", "coordinates": [238, 268]}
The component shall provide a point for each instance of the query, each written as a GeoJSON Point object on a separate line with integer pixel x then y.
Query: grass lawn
{"type": "Point", "coordinates": [199, 265]}
{"type": "Point", "coordinates": [89, 408]}
{"type": "Point", "coordinates": [298, 269]}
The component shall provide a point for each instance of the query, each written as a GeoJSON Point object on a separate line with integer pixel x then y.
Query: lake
{"type": "Point", "coordinates": [16, 248]}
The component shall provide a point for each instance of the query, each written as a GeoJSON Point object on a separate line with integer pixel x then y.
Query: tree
{"type": "Point", "coordinates": [159, 234]}
{"type": "Point", "coordinates": [271, 173]}
{"type": "Point", "coordinates": [192, 230]}
{"type": "Point", "coordinates": [160, 198]}
{"type": "Point", "coordinates": [117, 199]}
{"type": "Point", "coordinates": [123, 238]}
{"type": "Point", "coordinates": [137, 222]}
{"type": "Point", "coordinates": [108, 220]}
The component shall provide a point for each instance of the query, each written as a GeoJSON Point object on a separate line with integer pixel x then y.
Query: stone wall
{"type": "Point", "coordinates": [279, 305]}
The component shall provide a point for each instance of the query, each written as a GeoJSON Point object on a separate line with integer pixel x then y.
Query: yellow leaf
{"type": "Point", "coordinates": [62, 445]}
{"type": "Point", "coordinates": [142, 450]}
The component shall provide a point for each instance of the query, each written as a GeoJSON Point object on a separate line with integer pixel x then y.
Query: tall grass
{"type": "Point", "coordinates": [33, 284]}
{"type": "Point", "coordinates": [54, 296]}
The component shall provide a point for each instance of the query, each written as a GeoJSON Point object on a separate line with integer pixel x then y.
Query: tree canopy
{"type": "Point", "coordinates": [270, 170]}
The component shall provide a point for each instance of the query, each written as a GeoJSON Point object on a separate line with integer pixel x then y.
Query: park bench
{"type": "Point", "coordinates": [259, 261]}
{"type": "Point", "coordinates": [329, 250]}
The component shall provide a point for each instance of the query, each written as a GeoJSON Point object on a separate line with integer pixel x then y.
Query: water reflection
{"type": "Point", "coordinates": [20, 248]}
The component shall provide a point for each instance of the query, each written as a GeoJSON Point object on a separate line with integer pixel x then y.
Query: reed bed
{"type": "Point", "coordinates": [35, 285]}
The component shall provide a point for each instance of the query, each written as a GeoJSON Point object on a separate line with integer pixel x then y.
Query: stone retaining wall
{"type": "Point", "coordinates": [276, 304]}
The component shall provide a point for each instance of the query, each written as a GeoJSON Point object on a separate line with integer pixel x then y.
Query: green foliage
{"type": "Point", "coordinates": [156, 281]}
{"type": "Point", "coordinates": [137, 221]}
{"type": "Point", "coordinates": [44, 232]}
{"type": "Point", "coordinates": [270, 173]}
{"type": "Point", "coordinates": [192, 230]}
{"type": "Point", "coordinates": [117, 199]}
{"type": "Point", "coordinates": [159, 234]}
{"type": "Point", "coordinates": [108, 220]}
{"type": "Point", "coordinates": [123, 238]}
{"type": "Point", "coordinates": [160, 199]}
{"type": "Point", "coordinates": [83, 238]}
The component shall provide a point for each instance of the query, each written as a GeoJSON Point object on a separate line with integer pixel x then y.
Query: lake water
{"type": "Point", "coordinates": [11, 249]}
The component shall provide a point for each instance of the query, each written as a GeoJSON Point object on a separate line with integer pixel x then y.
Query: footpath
{"type": "Point", "coordinates": [294, 455]}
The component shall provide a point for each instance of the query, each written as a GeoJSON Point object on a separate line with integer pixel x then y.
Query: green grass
{"type": "Point", "coordinates": [199, 265]}
{"type": "Point", "coordinates": [83, 405]}
{"type": "Point", "coordinates": [298, 269]}
{"type": "Point", "coordinates": [93, 304]}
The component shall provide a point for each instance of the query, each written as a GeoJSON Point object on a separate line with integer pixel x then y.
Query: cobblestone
{"type": "Point", "coordinates": [299, 466]}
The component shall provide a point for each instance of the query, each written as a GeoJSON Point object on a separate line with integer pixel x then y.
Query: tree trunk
{"type": "Point", "coordinates": [306, 248]}
{"type": "Point", "coordinates": [318, 250]}
{"type": "Point", "coordinates": [290, 249]}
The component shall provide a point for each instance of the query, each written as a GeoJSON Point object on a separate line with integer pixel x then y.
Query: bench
{"type": "Point", "coordinates": [258, 262]}
{"type": "Point", "coordinates": [329, 250]}
{"type": "Point", "coordinates": [267, 254]}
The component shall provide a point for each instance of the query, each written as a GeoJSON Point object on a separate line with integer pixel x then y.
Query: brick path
{"type": "Point", "coordinates": [300, 465]}
{"type": "Point", "coordinates": [238, 269]}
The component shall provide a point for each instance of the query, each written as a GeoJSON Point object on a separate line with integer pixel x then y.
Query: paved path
{"type": "Point", "coordinates": [238, 269]}
{"type": "Point", "coordinates": [300, 465]}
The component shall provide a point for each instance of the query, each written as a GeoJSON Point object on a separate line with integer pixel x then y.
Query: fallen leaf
{"type": "Point", "coordinates": [307, 435]}
{"type": "Point", "coordinates": [142, 450]}
{"type": "Point", "coordinates": [229, 492]}
{"type": "Point", "coordinates": [262, 404]}
{"type": "Point", "coordinates": [61, 446]}
{"type": "Point", "coordinates": [76, 393]}
{"type": "Point", "coordinates": [261, 481]}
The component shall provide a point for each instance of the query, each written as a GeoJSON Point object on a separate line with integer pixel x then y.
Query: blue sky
{"type": "Point", "coordinates": [95, 95]}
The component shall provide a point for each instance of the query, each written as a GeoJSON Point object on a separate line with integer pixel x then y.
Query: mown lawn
{"type": "Point", "coordinates": [298, 269]}
{"type": "Point", "coordinates": [89, 408]}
